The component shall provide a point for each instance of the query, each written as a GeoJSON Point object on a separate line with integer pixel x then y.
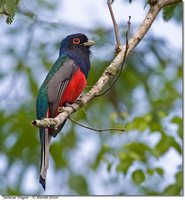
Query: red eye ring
{"type": "Point", "coordinates": [76, 40]}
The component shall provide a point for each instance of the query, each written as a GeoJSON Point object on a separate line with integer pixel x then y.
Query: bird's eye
{"type": "Point", "coordinates": [76, 41]}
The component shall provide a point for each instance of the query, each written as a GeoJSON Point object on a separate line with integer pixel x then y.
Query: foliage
{"type": "Point", "coordinates": [8, 7]}
{"type": "Point", "coordinates": [146, 100]}
{"type": "Point", "coordinates": [168, 12]}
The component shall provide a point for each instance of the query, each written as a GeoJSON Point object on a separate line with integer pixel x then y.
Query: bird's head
{"type": "Point", "coordinates": [77, 46]}
{"type": "Point", "coordinates": [76, 42]}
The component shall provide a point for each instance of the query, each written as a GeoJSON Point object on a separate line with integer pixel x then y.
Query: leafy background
{"type": "Point", "coordinates": [147, 100]}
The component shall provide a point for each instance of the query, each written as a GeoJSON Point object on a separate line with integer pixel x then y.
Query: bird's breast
{"type": "Point", "coordinates": [74, 88]}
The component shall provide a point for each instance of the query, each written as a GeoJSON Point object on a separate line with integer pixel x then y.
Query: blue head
{"type": "Point", "coordinates": [77, 46]}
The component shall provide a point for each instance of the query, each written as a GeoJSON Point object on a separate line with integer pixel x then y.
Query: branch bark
{"type": "Point", "coordinates": [115, 26]}
{"type": "Point", "coordinates": [110, 71]}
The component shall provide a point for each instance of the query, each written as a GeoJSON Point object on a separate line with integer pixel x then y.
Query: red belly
{"type": "Point", "coordinates": [73, 89]}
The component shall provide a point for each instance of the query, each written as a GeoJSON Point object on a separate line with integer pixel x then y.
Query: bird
{"type": "Point", "coordinates": [64, 83]}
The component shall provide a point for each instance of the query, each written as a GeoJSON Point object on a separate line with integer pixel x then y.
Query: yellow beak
{"type": "Point", "coordinates": [89, 43]}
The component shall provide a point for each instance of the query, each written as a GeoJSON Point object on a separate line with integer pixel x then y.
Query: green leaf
{"type": "Point", "coordinates": [100, 157]}
{"type": "Point", "coordinates": [165, 143]}
{"type": "Point", "coordinates": [168, 12]}
{"type": "Point", "coordinates": [179, 179]}
{"type": "Point", "coordinates": [178, 121]}
{"type": "Point", "coordinates": [137, 150]}
{"type": "Point", "coordinates": [155, 126]}
{"type": "Point", "coordinates": [9, 19]}
{"type": "Point", "coordinates": [10, 6]}
{"type": "Point", "coordinates": [161, 114]}
{"type": "Point", "coordinates": [172, 190]}
{"type": "Point", "coordinates": [9, 9]}
{"type": "Point", "coordinates": [152, 193]}
{"type": "Point", "coordinates": [124, 164]}
{"type": "Point", "coordinates": [109, 166]}
{"type": "Point", "coordinates": [2, 2]}
{"type": "Point", "coordinates": [78, 184]}
{"type": "Point", "coordinates": [150, 171]}
{"type": "Point", "coordinates": [139, 123]}
{"type": "Point", "coordinates": [138, 176]}
{"type": "Point", "coordinates": [176, 146]}
{"type": "Point", "coordinates": [159, 170]}
{"type": "Point", "coordinates": [176, 188]}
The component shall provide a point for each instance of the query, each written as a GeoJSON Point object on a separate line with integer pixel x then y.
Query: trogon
{"type": "Point", "coordinates": [63, 85]}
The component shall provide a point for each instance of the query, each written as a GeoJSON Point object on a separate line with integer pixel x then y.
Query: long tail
{"type": "Point", "coordinates": [45, 144]}
{"type": "Point", "coordinates": [45, 138]}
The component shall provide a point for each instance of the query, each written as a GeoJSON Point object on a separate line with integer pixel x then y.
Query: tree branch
{"type": "Point", "coordinates": [122, 65]}
{"type": "Point", "coordinates": [110, 71]}
{"type": "Point", "coordinates": [96, 129]}
{"type": "Point", "coordinates": [115, 26]}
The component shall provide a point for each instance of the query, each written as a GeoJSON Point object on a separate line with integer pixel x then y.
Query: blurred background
{"type": "Point", "coordinates": [146, 159]}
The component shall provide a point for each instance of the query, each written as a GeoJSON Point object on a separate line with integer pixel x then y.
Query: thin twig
{"type": "Point", "coordinates": [128, 32]}
{"type": "Point", "coordinates": [95, 129]}
{"type": "Point", "coordinates": [118, 44]}
{"type": "Point", "coordinates": [122, 65]}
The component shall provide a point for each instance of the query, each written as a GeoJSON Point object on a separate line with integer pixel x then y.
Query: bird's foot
{"type": "Point", "coordinates": [62, 109]}
{"type": "Point", "coordinates": [70, 105]}
{"type": "Point", "coordinates": [79, 102]}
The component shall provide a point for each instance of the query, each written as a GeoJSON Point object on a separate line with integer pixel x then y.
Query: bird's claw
{"type": "Point", "coordinates": [60, 109]}
{"type": "Point", "coordinates": [71, 106]}
{"type": "Point", "coordinates": [79, 102]}
{"type": "Point", "coordinates": [47, 122]}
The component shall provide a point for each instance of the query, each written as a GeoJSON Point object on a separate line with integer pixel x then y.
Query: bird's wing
{"type": "Point", "coordinates": [57, 84]}
{"type": "Point", "coordinates": [54, 85]}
